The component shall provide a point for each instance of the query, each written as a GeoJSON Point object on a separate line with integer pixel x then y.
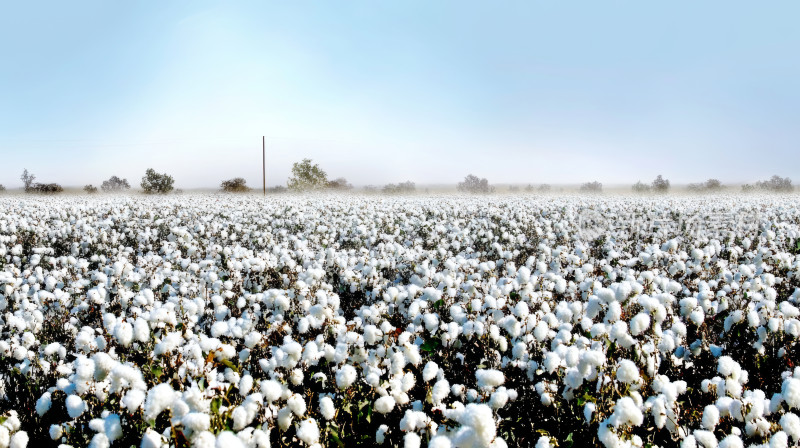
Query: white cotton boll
{"type": "Point", "coordinates": [158, 399]}
{"type": "Point", "coordinates": [588, 410]}
{"type": "Point", "coordinates": [133, 399]}
{"type": "Point", "coordinates": [478, 427]}
{"type": "Point", "coordinates": [124, 333]}
{"type": "Point", "coordinates": [380, 434]}
{"type": "Point", "coordinates": [440, 441]}
{"type": "Point", "coordinates": [196, 421]}
{"type": "Point", "coordinates": [385, 404]}
{"type": "Point", "coordinates": [245, 385]}
{"type": "Point", "coordinates": [308, 431]}
{"type": "Point", "coordinates": [626, 412]}
{"type": "Point", "coordinates": [732, 441]}
{"type": "Point", "coordinates": [227, 439]}
{"type": "Point", "coordinates": [705, 438]}
{"type": "Point", "coordinates": [790, 389]}
{"type": "Point", "coordinates": [779, 440]}
{"type": "Point", "coordinates": [112, 426]}
{"type": "Point", "coordinates": [75, 406]}
{"type": "Point", "coordinates": [411, 440]}
{"type": "Point", "coordinates": [239, 417]}
{"type": "Point", "coordinates": [627, 371]}
{"type": "Point", "coordinates": [639, 324]}
{"type": "Point", "coordinates": [326, 407]}
{"type": "Point", "coordinates": [297, 404]}
{"type": "Point", "coordinates": [100, 440]}
{"type": "Point", "coordinates": [790, 424]}
{"type": "Point", "coordinates": [5, 436]}
{"type": "Point", "coordinates": [20, 440]}
{"type": "Point", "coordinates": [141, 330]}
{"type": "Point", "coordinates": [152, 439]}
{"type": "Point", "coordinates": [43, 404]}
{"type": "Point", "coordinates": [488, 378]}
{"type": "Point", "coordinates": [544, 442]}
{"type": "Point", "coordinates": [204, 439]}
{"type": "Point", "coordinates": [284, 418]}
{"type": "Point", "coordinates": [56, 431]}
{"type": "Point", "coordinates": [710, 417]}
{"type": "Point", "coordinates": [430, 371]}
{"type": "Point", "coordinates": [345, 376]}
{"type": "Point", "coordinates": [499, 398]}
{"type": "Point", "coordinates": [272, 390]}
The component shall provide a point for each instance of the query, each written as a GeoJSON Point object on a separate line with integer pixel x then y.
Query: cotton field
{"type": "Point", "coordinates": [327, 321]}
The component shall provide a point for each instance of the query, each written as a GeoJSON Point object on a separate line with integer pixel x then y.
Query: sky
{"type": "Point", "coordinates": [388, 91]}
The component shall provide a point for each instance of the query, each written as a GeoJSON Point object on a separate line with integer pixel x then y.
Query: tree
{"type": "Point", "coordinates": [307, 176]}
{"type": "Point", "coordinates": [545, 188]}
{"type": "Point", "coordinates": [27, 179]}
{"type": "Point", "coordinates": [591, 187]}
{"type": "Point", "coordinates": [777, 184]}
{"type": "Point", "coordinates": [660, 185]}
{"type": "Point", "coordinates": [473, 184]}
{"type": "Point", "coordinates": [2, 188]}
{"type": "Point", "coordinates": [153, 182]}
{"type": "Point", "coordinates": [339, 184]}
{"type": "Point", "coordinates": [115, 184]}
{"type": "Point", "coordinates": [90, 189]}
{"type": "Point", "coordinates": [401, 188]}
{"type": "Point", "coordinates": [713, 185]}
{"type": "Point", "coordinates": [45, 188]}
{"type": "Point", "coordinates": [235, 185]}
{"type": "Point", "coordinates": [641, 187]}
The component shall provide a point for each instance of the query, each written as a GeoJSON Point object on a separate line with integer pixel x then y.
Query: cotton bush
{"type": "Point", "coordinates": [211, 320]}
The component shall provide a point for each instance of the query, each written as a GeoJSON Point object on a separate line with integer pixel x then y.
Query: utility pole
{"type": "Point", "coordinates": [264, 162]}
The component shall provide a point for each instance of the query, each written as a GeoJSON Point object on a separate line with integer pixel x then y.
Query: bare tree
{"type": "Point", "coordinates": [473, 184]}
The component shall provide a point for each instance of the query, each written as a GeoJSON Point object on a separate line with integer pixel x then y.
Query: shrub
{"type": "Point", "coordinates": [339, 184]}
{"type": "Point", "coordinates": [235, 185]}
{"type": "Point", "coordinates": [277, 189]}
{"type": "Point", "coordinates": [473, 184]}
{"type": "Point", "coordinates": [2, 188]}
{"type": "Point", "coordinates": [115, 184]}
{"type": "Point", "coordinates": [641, 187]}
{"type": "Point", "coordinates": [90, 189]}
{"type": "Point", "coordinates": [401, 188]}
{"type": "Point", "coordinates": [776, 184]}
{"type": "Point", "coordinates": [45, 188]}
{"type": "Point", "coordinates": [591, 187]}
{"type": "Point", "coordinates": [153, 182]}
{"type": "Point", "coordinates": [545, 188]}
{"type": "Point", "coordinates": [307, 176]}
{"type": "Point", "coordinates": [708, 186]}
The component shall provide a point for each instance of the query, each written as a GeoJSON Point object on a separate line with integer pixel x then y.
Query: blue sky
{"type": "Point", "coordinates": [388, 91]}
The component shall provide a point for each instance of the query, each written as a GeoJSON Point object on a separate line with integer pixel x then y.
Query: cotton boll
{"type": "Point", "coordinates": [790, 424]}
{"type": "Point", "coordinates": [731, 441]}
{"type": "Point", "coordinates": [271, 390]}
{"type": "Point", "coordinates": [19, 440]}
{"type": "Point", "coordinates": [133, 399]}
{"type": "Point", "coordinates": [430, 371]}
{"type": "Point", "coordinates": [380, 434]}
{"type": "Point", "coordinates": [75, 406]}
{"type": "Point", "coordinates": [411, 440]}
{"type": "Point", "coordinates": [326, 407]}
{"type": "Point", "coordinates": [227, 439]}
{"type": "Point", "coordinates": [345, 376]}
{"type": "Point", "coordinates": [639, 324]}
{"type": "Point", "coordinates": [790, 389]}
{"type": "Point", "coordinates": [488, 378]}
{"type": "Point", "coordinates": [627, 371]}
{"type": "Point", "coordinates": [43, 404]}
{"type": "Point", "coordinates": [56, 431]}
{"type": "Point", "coordinates": [478, 426]}
{"type": "Point", "coordinates": [440, 441]}
{"type": "Point", "coordinates": [308, 431]}
{"type": "Point", "coordinates": [385, 404]}
{"type": "Point", "coordinates": [297, 404]}
{"type": "Point", "coordinates": [710, 417]}
{"type": "Point", "coordinates": [245, 385]}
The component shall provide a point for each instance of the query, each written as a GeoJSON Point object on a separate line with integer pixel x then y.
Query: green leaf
{"type": "Point", "coordinates": [157, 370]}
{"type": "Point", "coordinates": [215, 405]}
{"type": "Point", "coordinates": [229, 364]}
{"type": "Point", "coordinates": [430, 345]}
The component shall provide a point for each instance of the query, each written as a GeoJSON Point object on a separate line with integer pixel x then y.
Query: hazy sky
{"type": "Point", "coordinates": [388, 91]}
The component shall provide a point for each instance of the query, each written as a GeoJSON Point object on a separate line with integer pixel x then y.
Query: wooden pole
{"type": "Point", "coordinates": [264, 163]}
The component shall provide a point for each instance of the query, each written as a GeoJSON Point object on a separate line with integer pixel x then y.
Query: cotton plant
{"type": "Point", "coordinates": [425, 321]}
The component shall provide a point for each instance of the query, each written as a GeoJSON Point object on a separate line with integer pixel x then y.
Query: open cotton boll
{"type": "Point", "coordinates": [385, 404]}
{"type": "Point", "coordinates": [159, 398]}
{"type": "Point", "coordinates": [478, 427]}
{"type": "Point", "coordinates": [272, 390]}
{"type": "Point", "coordinates": [430, 371]}
{"type": "Point", "coordinates": [488, 378]}
{"type": "Point", "coordinates": [345, 376]}
{"type": "Point", "coordinates": [440, 441]}
{"type": "Point", "coordinates": [43, 404]}
{"type": "Point", "coordinates": [639, 324]}
{"type": "Point", "coordinates": [245, 385]}
{"type": "Point", "coordinates": [75, 406]}
{"type": "Point", "coordinates": [297, 404]}
{"type": "Point", "coordinates": [627, 371]}
{"type": "Point", "coordinates": [228, 439]}
{"type": "Point", "coordinates": [731, 441]}
{"type": "Point", "coordinates": [326, 407]}
{"type": "Point", "coordinates": [790, 389]}
{"type": "Point", "coordinates": [710, 417]}
{"type": "Point", "coordinates": [19, 440]}
{"type": "Point", "coordinates": [411, 440]}
{"type": "Point", "coordinates": [308, 431]}
{"type": "Point", "coordinates": [626, 412]}
{"type": "Point", "coordinates": [790, 423]}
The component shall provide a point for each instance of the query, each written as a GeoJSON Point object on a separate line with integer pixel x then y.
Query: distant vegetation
{"type": "Point", "coordinates": [35, 187]}
{"type": "Point", "coordinates": [591, 187]}
{"type": "Point", "coordinates": [775, 184]}
{"type": "Point", "coordinates": [156, 183]}
{"type": "Point", "coordinates": [401, 188]}
{"type": "Point", "coordinates": [235, 185]}
{"type": "Point", "coordinates": [115, 184]}
{"type": "Point", "coordinates": [473, 184]}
